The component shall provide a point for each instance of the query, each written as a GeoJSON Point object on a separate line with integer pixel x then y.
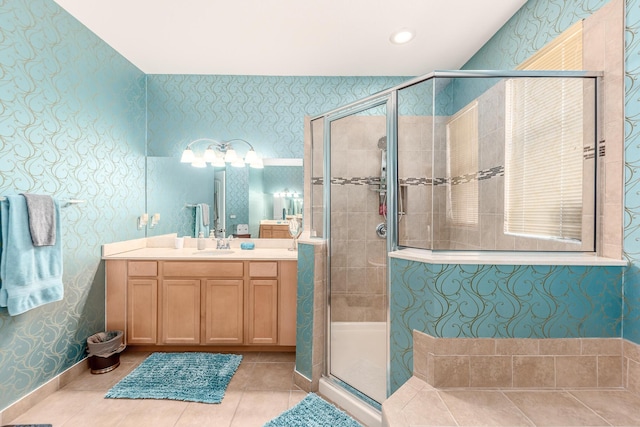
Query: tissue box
{"type": "Point", "coordinates": [242, 229]}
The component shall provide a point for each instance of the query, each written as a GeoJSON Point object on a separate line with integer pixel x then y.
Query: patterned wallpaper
{"type": "Point", "coordinates": [631, 245]}
{"type": "Point", "coordinates": [499, 301]}
{"type": "Point", "coordinates": [267, 111]}
{"type": "Point", "coordinates": [305, 310]}
{"type": "Point", "coordinates": [523, 301]}
{"type": "Point", "coordinates": [71, 125]}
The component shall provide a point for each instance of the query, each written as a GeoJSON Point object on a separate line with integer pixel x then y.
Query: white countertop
{"type": "Point", "coordinates": [505, 258]}
{"type": "Point", "coordinates": [162, 248]}
{"type": "Point", "coordinates": [209, 254]}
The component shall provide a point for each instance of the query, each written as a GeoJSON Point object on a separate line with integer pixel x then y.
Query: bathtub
{"type": "Point", "coordinates": [359, 356]}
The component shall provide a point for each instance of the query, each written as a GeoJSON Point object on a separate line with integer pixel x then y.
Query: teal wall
{"type": "Point", "coordinates": [72, 124]}
{"type": "Point", "coordinates": [510, 301]}
{"type": "Point", "coordinates": [632, 173]}
{"type": "Point", "coordinates": [305, 309]}
{"type": "Point", "coordinates": [499, 301]}
{"type": "Point", "coordinates": [267, 111]}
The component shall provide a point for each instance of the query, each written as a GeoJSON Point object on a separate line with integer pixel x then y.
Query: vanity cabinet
{"type": "Point", "coordinates": [263, 302]}
{"type": "Point", "coordinates": [180, 311]}
{"type": "Point", "coordinates": [224, 311]}
{"type": "Point", "coordinates": [274, 231]}
{"type": "Point", "coordinates": [142, 302]}
{"type": "Point", "coordinates": [196, 303]}
{"type": "Point", "coordinates": [142, 311]}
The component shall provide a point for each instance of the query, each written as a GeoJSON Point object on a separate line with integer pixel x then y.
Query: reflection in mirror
{"type": "Point", "coordinates": [244, 195]}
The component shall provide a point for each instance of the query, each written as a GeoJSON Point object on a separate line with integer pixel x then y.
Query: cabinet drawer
{"type": "Point", "coordinates": [203, 268]}
{"type": "Point", "coordinates": [263, 269]}
{"type": "Point", "coordinates": [143, 268]}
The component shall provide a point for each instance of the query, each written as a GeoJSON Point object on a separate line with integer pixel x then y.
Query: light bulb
{"type": "Point", "coordinates": [187, 156]}
{"type": "Point", "coordinates": [198, 162]}
{"type": "Point", "coordinates": [209, 155]}
{"type": "Point", "coordinates": [230, 156]}
{"type": "Point", "coordinates": [250, 157]}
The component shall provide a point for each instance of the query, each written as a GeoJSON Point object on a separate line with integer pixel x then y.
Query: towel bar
{"type": "Point", "coordinates": [64, 201]}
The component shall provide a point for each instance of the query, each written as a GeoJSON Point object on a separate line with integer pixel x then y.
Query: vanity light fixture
{"type": "Point", "coordinates": [402, 36]}
{"type": "Point", "coordinates": [218, 154]}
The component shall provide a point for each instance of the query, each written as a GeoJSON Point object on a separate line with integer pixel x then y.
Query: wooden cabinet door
{"type": "Point", "coordinates": [142, 311]}
{"type": "Point", "coordinates": [265, 232]}
{"type": "Point", "coordinates": [287, 302]}
{"type": "Point", "coordinates": [281, 232]}
{"type": "Point", "coordinates": [180, 315]}
{"type": "Point", "coordinates": [224, 311]}
{"type": "Point", "coordinates": [263, 311]}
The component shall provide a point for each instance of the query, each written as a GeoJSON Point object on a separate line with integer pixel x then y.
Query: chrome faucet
{"type": "Point", "coordinates": [223, 243]}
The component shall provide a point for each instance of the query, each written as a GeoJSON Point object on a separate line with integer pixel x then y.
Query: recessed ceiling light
{"type": "Point", "coordinates": [403, 35]}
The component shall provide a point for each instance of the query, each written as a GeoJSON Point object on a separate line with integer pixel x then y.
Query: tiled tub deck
{"type": "Point", "coordinates": [519, 382]}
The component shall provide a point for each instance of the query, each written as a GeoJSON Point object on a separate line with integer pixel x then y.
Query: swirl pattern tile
{"type": "Point", "coordinates": [72, 114]}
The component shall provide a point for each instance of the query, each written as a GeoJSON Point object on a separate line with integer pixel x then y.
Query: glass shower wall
{"type": "Point", "coordinates": [358, 253]}
{"type": "Point", "coordinates": [415, 164]}
{"type": "Point", "coordinates": [433, 164]}
{"type": "Point", "coordinates": [317, 177]}
{"type": "Point", "coordinates": [470, 152]}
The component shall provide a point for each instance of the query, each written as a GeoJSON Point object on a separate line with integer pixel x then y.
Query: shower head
{"type": "Point", "coordinates": [382, 143]}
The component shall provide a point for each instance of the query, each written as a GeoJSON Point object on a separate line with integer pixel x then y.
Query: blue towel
{"type": "Point", "coordinates": [200, 227]}
{"type": "Point", "coordinates": [30, 276]}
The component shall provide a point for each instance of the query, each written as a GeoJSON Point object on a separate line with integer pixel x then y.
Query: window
{"type": "Point", "coordinates": [462, 166]}
{"type": "Point", "coordinates": [544, 146]}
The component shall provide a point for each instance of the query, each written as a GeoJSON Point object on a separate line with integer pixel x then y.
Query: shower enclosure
{"type": "Point", "coordinates": [447, 161]}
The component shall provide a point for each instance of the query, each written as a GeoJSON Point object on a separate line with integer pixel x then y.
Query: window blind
{"type": "Point", "coordinates": [544, 145]}
{"type": "Point", "coordinates": [462, 165]}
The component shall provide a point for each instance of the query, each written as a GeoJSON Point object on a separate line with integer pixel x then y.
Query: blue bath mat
{"type": "Point", "coordinates": [193, 377]}
{"type": "Point", "coordinates": [313, 411]}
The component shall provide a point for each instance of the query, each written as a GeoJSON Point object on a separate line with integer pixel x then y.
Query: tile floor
{"type": "Point", "coordinates": [263, 387]}
{"type": "Point", "coordinates": [416, 403]}
{"type": "Point", "coordinates": [260, 390]}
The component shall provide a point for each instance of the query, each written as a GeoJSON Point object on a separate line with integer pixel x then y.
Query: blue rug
{"type": "Point", "coordinates": [193, 377]}
{"type": "Point", "coordinates": [313, 411]}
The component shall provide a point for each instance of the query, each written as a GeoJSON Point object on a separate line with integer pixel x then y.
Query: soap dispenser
{"type": "Point", "coordinates": [202, 243]}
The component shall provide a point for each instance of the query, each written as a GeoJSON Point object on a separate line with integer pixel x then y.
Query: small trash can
{"type": "Point", "coordinates": [104, 351]}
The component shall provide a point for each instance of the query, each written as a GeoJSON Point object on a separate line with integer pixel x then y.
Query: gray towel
{"type": "Point", "coordinates": [42, 219]}
{"type": "Point", "coordinates": [205, 215]}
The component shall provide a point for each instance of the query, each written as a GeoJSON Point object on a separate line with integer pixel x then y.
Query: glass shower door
{"type": "Point", "coordinates": [358, 251]}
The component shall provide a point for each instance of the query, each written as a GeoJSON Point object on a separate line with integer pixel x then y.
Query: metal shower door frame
{"type": "Point", "coordinates": [389, 100]}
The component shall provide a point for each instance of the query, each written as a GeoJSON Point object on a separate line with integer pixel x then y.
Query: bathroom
{"type": "Point", "coordinates": [108, 109]}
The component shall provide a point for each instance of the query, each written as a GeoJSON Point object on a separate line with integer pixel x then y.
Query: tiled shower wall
{"type": "Point", "coordinates": [489, 234]}
{"type": "Point", "coordinates": [358, 255]}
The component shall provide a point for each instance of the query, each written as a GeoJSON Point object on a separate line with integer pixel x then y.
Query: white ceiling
{"type": "Point", "coordinates": [293, 37]}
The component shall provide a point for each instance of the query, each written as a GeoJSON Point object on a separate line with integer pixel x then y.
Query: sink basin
{"type": "Point", "coordinates": [214, 252]}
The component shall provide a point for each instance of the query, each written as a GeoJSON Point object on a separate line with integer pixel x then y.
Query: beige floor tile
{"type": "Point", "coordinates": [101, 412]}
{"type": "Point", "coordinates": [619, 407]}
{"type": "Point", "coordinates": [154, 412]}
{"type": "Point", "coordinates": [243, 375]}
{"type": "Point", "coordinates": [276, 357]}
{"type": "Point", "coordinates": [296, 396]}
{"type": "Point", "coordinates": [258, 407]}
{"type": "Point", "coordinates": [427, 409]}
{"type": "Point", "coordinates": [131, 356]}
{"type": "Point", "coordinates": [55, 409]}
{"type": "Point", "coordinates": [483, 408]}
{"type": "Point", "coordinates": [100, 382]}
{"type": "Point", "coordinates": [219, 415]}
{"type": "Point", "coordinates": [554, 408]}
{"type": "Point", "coordinates": [249, 356]}
{"type": "Point", "coordinates": [271, 376]}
